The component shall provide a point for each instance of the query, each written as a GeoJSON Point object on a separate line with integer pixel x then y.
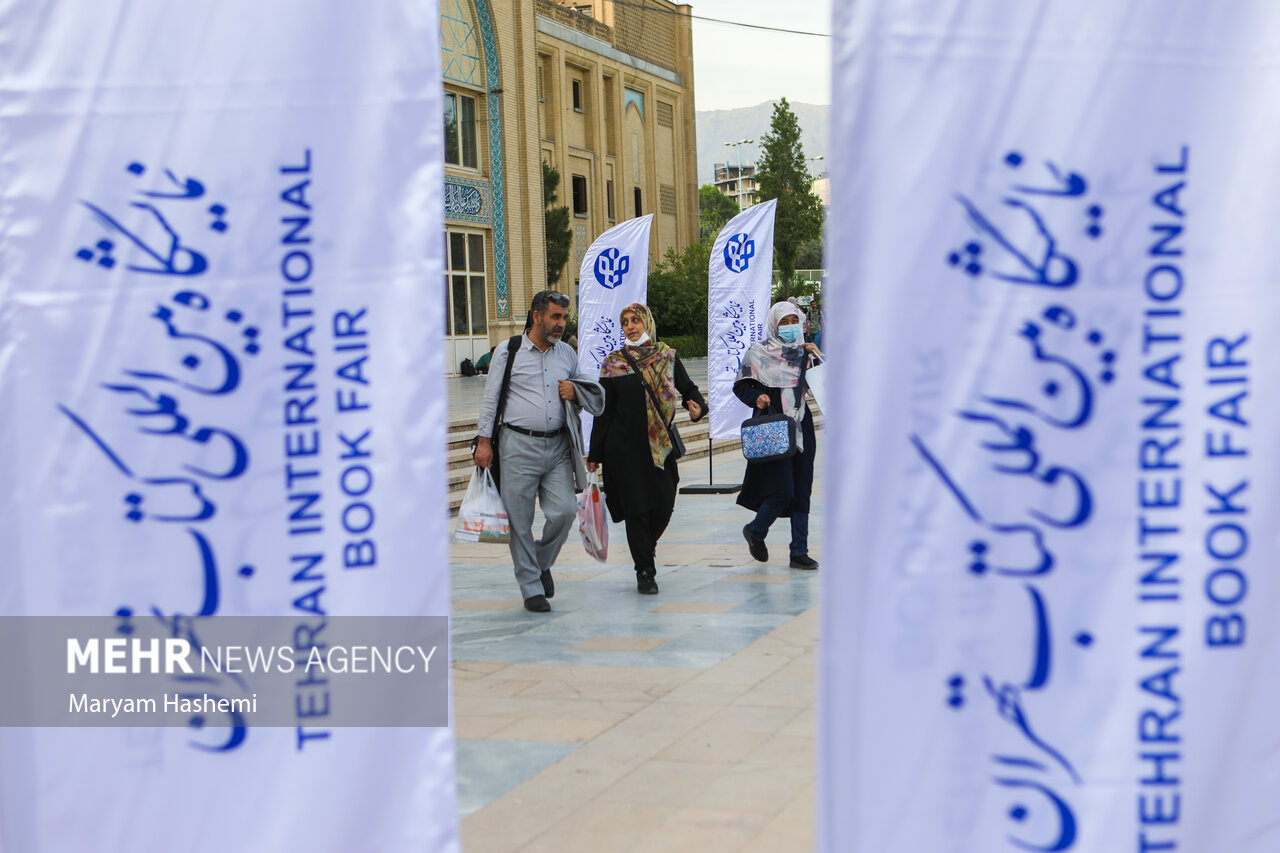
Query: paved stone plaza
{"type": "Point", "coordinates": [619, 722]}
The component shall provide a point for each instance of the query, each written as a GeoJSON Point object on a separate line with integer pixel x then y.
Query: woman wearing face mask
{"type": "Point", "coordinates": [631, 438]}
{"type": "Point", "coordinates": [769, 381]}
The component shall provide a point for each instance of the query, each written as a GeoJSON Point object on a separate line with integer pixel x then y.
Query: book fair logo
{"type": "Point", "coordinates": [611, 266]}
{"type": "Point", "coordinates": [738, 252]}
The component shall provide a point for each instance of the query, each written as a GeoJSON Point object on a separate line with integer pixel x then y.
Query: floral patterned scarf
{"type": "Point", "coordinates": [657, 369]}
{"type": "Point", "coordinates": [774, 363]}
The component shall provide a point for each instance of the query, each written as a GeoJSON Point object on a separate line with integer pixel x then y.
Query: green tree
{"type": "Point", "coordinates": [678, 291]}
{"type": "Point", "coordinates": [799, 288]}
{"type": "Point", "coordinates": [714, 210]}
{"type": "Point", "coordinates": [809, 255]}
{"type": "Point", "coordinates": [782, 173]}
{"type": "Point", "coordinates": [556, 220]}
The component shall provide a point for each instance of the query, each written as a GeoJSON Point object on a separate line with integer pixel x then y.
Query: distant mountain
{"type": "Point", "coordinates": [716, 127]}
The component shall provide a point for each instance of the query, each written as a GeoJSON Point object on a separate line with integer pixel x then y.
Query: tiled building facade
{"type": "Point", "coordinates": [605, 94]}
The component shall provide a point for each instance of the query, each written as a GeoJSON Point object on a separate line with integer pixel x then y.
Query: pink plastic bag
{"type": "Point", "coordinates": [592, 523]}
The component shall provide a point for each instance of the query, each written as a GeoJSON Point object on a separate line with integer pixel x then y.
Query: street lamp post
{"type": "Point", "coordinates": [738, 145]}
{"type": "Point", "coordinates": [814, 178]}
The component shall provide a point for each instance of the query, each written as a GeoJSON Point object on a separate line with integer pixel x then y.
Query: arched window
{"type": "Point", "coordinates": [463, 71]}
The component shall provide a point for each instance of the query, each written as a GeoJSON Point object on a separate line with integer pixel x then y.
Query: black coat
{"type": "Point", "coordinates": [790, 479]}
{"type": "Point", "coordinates": [620, 441]}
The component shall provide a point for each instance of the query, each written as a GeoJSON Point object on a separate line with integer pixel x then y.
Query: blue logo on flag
{"type": "Point", "coordinates": [611, 266]}
{"type": "Point", "coordinates": [738, 252]}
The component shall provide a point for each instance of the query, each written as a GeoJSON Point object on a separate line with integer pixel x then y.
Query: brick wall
{"type": "Point", "coordinates": [577, 20]}
{"type": "Point", "coordinates": [647, 32]}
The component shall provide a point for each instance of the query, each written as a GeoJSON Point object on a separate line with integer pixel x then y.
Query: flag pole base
{"type": "Point", "coordinates": [711, 489]}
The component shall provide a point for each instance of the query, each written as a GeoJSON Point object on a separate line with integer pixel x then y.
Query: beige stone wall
{"type": "Point", "coordinates": [621, 148]}
{"type": "Point", "coordinates": [636, 155]}
{"type": "Point", "coordinates": [650, 34]}
{"type": "Point", "coordinates": [579, 120]}
{"type": "Point", "coordinates": [610, 146]}
{"type": "Point", "coordinates": [687, 134]}
{"type": "Point", "coordinates": [667, 168]}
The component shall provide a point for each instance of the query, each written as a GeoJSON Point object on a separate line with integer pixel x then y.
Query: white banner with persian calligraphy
{"type": "Point", "coordinates": [740, 279]}
{"type": "Point", "coordinates": [614, 274]}
{"type": "Point", "coordinates": [221, 373]}
{"type": "Point", "coordinates": [1050, 471]}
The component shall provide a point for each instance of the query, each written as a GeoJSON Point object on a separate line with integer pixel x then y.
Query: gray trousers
{"type": "Point", "coordinates": [539, 468]}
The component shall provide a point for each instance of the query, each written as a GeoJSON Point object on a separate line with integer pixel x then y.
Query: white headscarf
{"type": "Point", "coordinates": [776, 313]}
{"type": "Point", "coordinates": [775, 363]}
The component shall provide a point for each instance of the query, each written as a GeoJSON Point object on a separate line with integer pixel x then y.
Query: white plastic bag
{"type": "Point", "coordinates": [816, 378]}
{"type": "Point", "coordinates": [482, 517]}
{"type": "Point", "coordinates": [592, 524]}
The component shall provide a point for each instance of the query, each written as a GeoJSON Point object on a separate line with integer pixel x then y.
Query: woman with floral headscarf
{"type": "Point", "coordinates": [630, 438]}
{"type": "Point", "coordinates": [770, 381]}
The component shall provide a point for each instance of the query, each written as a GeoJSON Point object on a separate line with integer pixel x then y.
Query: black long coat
{"type": "Point", "coordinates": [620, 441]}
{"type": "Point", "coordinates": [790, 479]}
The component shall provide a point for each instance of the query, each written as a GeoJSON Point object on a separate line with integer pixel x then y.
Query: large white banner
{"type": "Point", "coordinates": [223, 395]}
{"type": "Point", "coordinates": [1049, 473]}
{"type": "Point", "coordinates": [740, 282]}
{"type": "Point", "coordinates": [614, 273]}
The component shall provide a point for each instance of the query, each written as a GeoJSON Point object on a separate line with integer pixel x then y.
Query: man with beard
{"type": "Point", "coordinates": [534, 447]}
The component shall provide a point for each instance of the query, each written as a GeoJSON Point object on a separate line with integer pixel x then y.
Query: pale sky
{"type": "Point", "coordinates": [738, 67]}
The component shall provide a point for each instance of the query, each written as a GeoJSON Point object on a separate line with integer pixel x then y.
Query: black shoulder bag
{"type": "Point", "coordinates": [513, 345]}
{"type": "Point", "coordinates": [677, 444]}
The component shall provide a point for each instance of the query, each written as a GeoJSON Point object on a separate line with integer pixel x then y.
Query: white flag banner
{"type": "Point", "coordinates": [1054, 274]}
{"type": "Point", "coordinates": [614, 274]}
{"type": "Point", "coordinates": [221, 372]}
{"type": "Point", "coordinates": [740, 282]}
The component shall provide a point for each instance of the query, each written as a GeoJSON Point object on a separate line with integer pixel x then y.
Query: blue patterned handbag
{"type": "Point", "coordinates": [766, 438]}
{"type": "Point", "coordinates": [769, 437]}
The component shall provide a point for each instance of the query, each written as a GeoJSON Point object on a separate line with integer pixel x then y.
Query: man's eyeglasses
{"type": "Point", "coordinates": [541, 299]}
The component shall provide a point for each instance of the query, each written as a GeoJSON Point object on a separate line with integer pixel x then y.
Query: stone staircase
{"type": "Point", "coordinates": [694, 435]}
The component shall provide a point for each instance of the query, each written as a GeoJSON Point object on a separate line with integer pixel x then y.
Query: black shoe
{"type": "Point", "coordinates": [754, 545]}
{"type": "Point", "coordinates": [646, 584]}
{"type": "Point", "coordinates": [803, 561]}
{"type": "Point", "coordinates": [537, 604]}
{"type": "Point", "coordinates": [548, 585]}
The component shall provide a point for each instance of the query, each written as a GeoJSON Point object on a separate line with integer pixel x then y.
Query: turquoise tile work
{"type": "Point", "coordinates": [460, 53]}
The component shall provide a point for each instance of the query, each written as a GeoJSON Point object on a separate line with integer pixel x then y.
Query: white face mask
{"type": "Point", "coordinates": [640, 341]}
